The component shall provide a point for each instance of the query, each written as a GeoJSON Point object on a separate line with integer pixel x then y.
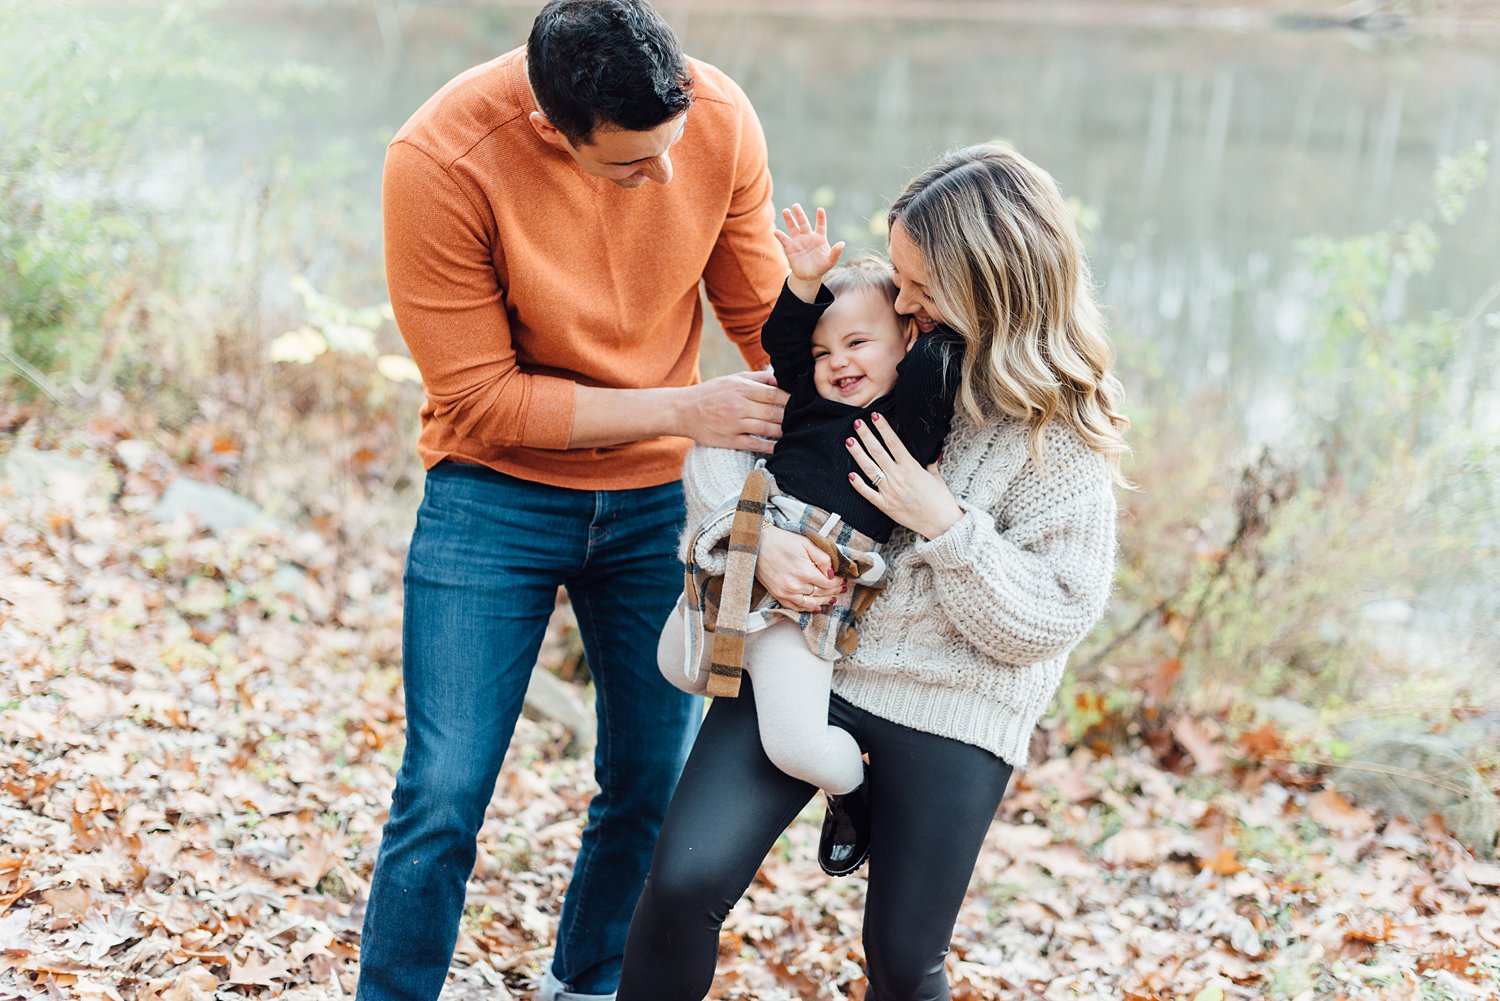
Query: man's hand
{"type": "Point", "coordinates": [796, 572]}
{"type": "Point", "coordinates": [735, 411]}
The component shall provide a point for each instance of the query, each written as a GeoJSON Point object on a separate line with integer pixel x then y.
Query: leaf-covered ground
{"type": "Point", "coordinates": [198, 734]}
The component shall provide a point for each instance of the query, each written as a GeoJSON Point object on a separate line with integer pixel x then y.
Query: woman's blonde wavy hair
{"type": "Point", "coordinates": [1006, 268]}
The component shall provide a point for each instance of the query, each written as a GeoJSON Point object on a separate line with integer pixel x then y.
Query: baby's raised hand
{"type": "Point", "coordinates": [806, 245]}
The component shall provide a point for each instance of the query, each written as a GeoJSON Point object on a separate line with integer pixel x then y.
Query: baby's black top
{"type": "Point", "coordinates": [810, 460]}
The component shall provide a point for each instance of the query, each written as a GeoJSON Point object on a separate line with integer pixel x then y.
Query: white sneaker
{"type": "Point", "coordinates": [553, 989]}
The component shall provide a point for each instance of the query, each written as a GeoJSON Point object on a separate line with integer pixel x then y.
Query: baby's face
{"type": "Point", "coordinates": [856, 347]}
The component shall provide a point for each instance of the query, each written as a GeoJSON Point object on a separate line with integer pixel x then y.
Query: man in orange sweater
{"type": "Point", "coordinates": [549, 217]}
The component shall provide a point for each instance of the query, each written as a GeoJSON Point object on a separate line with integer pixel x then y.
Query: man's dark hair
{"type": "Point", "coordinates": [606, 63]}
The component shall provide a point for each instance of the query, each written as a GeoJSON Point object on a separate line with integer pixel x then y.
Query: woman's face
{"type": "Point", "coordinates": [914, 298]}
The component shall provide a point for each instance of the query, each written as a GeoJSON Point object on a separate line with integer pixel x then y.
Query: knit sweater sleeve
{"type": "Point", "coordinates": [711, 476]}
{"type": "Point", "coordinates": [1032, 585]}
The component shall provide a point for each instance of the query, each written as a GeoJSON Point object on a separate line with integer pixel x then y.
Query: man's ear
{"type": "Point", "coordinates": [550, 133]}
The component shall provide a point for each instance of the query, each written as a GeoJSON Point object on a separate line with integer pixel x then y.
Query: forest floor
{"type": "Point", "coordinates": [199, 731]}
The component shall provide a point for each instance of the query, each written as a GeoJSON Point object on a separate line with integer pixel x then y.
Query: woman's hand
{"type": "Point", "coordinates": [807, 251]}
{"type": "Point", "coordinates": [910, 494]}
{"type": "Point", "coordinates": [797, 573]}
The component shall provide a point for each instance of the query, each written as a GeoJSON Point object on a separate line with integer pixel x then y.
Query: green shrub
{"type": "Point", "coordinates": [1253, 576]}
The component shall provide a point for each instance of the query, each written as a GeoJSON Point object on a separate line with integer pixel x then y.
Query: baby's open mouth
{"type": "Point", "coordinates": [847, 383]}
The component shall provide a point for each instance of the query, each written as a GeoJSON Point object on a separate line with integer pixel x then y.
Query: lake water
{"type": "Point", "coordinates": [1201, 155]}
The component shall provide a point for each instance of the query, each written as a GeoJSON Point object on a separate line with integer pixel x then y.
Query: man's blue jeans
{"type": "Point", "coordinates": [487, 556]}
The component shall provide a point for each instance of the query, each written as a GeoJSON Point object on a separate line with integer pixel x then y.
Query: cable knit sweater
{"type": "Point", "coordinates": [971, 635]}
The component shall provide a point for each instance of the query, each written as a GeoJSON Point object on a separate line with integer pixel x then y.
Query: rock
{"type": "Point", "coordinates": [75, 485]}
{"type": "Point", "coordinates": [552, 698]}
{"type": "Point", "coordinates": [215, 508]}
{"type": "Point", "coordinates": [134, 454]}
{"type": "Point", "coordinates": [1286, 714]}
{"type": "Point", "coordinates": [1414, 774]}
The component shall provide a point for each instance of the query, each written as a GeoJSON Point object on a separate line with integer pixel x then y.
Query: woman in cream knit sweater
{"type": "Point", "coordinates": [1002, 564]}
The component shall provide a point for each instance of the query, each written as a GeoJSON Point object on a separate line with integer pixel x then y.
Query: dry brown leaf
{"type": "Point", "coordinates": [1062, 861]}
{"type": "Point", "coordinates": [1136, 846]}
{"type": "Point", "coordinates": [192, 984]}
{"type": "Point", "coordinates": [68, 901]}
{"type": "Point", "coordinates": [1481, 873]}
{"type": "Point", "coordinates": [1380, 929]}
{"type": "Point", "coordinates": [1224, 863]}
{"type": "Point", "coordinates": [1457, 963]}
{"type": "Point", "coordinates": [1158, 684]}
{"type": "Point", "coordinates": [1265, 741]}
{"type": "Point", "coordinates": [1338, 815]}
{"type": "Point", "coordinates": [21, 890]}
{"type": "Point", "coordinates": [1196, 740]}
{"type": "Point", "coordinates": [255, 972]}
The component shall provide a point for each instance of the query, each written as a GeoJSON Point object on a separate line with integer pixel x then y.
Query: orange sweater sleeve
{"type": "Point", "coordinates": [746, 266]}
{"type": "Point", "coordinates": [450, 306]}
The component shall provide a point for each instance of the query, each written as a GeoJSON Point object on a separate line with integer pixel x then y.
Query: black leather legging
{"type": "Point", "coordinates": [932, 798]}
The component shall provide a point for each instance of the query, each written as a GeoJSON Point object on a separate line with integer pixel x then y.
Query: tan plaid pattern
{"type": "Point", "coordinates": [735, 605]}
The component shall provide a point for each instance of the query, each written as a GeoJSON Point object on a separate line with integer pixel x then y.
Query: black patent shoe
{"type": "Point", "coordinates": [845, 843]}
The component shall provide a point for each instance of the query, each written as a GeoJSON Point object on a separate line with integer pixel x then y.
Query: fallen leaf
{"type": "Point", "coordinates": [1224, 863]}
{"type": "Point", "coordinates": [1265, 741]}
{"type": "Point", "coordinates": [1338, 815]}
{"type": "Point", "coordinates": [68, 901]}
{"type": "Point", "coordinates": [259, 974]}
{"type": "Point", "coordinates": [1196, 740]}
{"type": "Point", "coordinates": [1136, 846]}
{"type": "Point", "coordinates": [1457, 963]}
{"type": "Point", "coordinates": [192, 984]}
{"type": "Point", "coordinates": [1481, 873]}
{"type": "Point", "coordinates": [1379, 930]}
{"type": "Point", "coordinates": [1158, 684]}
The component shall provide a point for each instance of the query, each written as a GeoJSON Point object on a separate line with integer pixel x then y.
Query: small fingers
{"type": "Point", "coordinates": [764, 376]}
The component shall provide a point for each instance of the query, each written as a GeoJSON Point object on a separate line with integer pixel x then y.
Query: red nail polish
{"type": "Point", "coordinates": [874, 417]}
{"type": "Point", "coordinates": [849, 442]}
{"type": "Point", "coordinates": [851, 477]}
{"type": "Point", "coordinates": [859, 424]}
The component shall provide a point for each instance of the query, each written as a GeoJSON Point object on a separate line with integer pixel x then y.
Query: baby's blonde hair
{"type": "Point", "coordinates": [1006, 268]}
{"type": "Point", "coordinates": [865, 271]}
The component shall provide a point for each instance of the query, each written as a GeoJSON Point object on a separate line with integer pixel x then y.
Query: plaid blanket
{"type": "Point", "coordinates": [735, 605]}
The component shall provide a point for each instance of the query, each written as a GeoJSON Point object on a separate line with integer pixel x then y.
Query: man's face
{"type": "Point", "coordinates": [626, 158]}
{"type": "Point", "coordinates": [856, 346]}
